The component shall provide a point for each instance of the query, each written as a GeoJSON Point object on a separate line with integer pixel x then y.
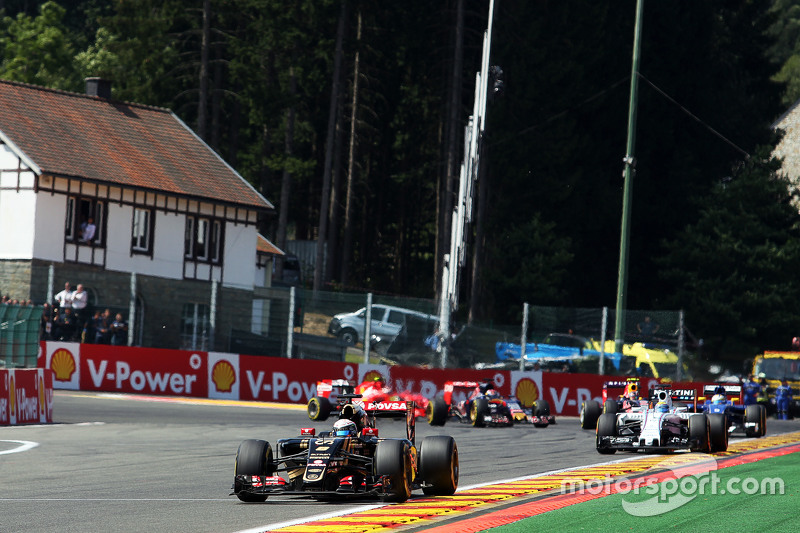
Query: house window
{"type": "Point", "coordinates": [203, 239]}
{"type": "Point", "coordinates": [83, 212]}
{"type": "Point", "coordinates": [142, 237]}
{"type": "Point", "coordinates": [195, 327]}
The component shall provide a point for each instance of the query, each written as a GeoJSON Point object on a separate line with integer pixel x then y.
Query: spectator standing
{"type": "Point", "coordinates": [119, 331]}
{"type": "Point", "coordinates": [88, 230]}
{"type": "Point", "coordinates": [64, 325]}
{"type": "Point", "coordinates": [80, 299]}
{"type": "Point", "coordinates": [647, 328]}
{"type": "Point", "coordinates": [103, 328]}
{"type": "Point", "coordinates": [64, 298]}
{"type": "Point", "coordinates": [90, 328]}
{"type": "Point", "coordinates": [46, 323]}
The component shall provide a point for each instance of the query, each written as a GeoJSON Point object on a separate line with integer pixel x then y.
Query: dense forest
{"type": "Point", "coordinates": [349, 116]}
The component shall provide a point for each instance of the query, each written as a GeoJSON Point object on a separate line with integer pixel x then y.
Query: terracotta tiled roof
{"type": "Point", "coordinates": [265, 247]}
{"type": "Point", "coordinates": [87, 137]}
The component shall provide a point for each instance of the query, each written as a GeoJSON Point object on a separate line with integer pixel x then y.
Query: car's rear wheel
{"type": "Point", "coordinates": [699, 433]}
{"type": "Point", "coordinates": [479, 409]}
{"type": "Point", "coordinates": [541, 408]}
{"type": "Point", "coordinates": [253, 458]}
{"type": "Point", "coordinates": [319, 408]}
{"type": "Point", "coordinates": [590, 412]}
{"type": "Point", "coordinates": [436, 412]}
{"type": "Point", "coordinates": [763, 410]}
{"type": "Point", "coordinates": [393, 460]}
{"type": "Point", "coordinates": [752, 415]}
{"type": "Point", "coordinates": [438, 465]}
{"type": "Point", "coordinates": [606, 427]}
{"type": "Point", "coordinates": [718, 431]}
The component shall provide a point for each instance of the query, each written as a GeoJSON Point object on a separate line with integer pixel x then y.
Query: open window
{"type": "Point", "coordinates": [85, 221]}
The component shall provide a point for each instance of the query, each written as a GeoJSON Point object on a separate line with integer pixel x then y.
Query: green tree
{"type": "Point", "coordinates": [735, 269]}
{"type": "Point", "coordinates": [39, 50]}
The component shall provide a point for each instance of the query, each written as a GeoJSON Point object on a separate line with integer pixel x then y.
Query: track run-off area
{"type": "Point", "coordinates": [155, 464]}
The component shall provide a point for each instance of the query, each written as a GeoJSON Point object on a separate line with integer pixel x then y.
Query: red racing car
{"type": "Point", "coordinates": [375, 390]}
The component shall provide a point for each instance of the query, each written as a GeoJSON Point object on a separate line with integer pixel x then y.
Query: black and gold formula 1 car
{"type": "Point", "coordinates": [352, 461]}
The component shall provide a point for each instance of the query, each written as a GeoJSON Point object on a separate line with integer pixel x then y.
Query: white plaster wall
{"type": "Point", "coordinates": [167, 259]}
{"type": "Point", "coordinates": [17, 215]}
{"type": "Point", "coordinates": [240, 256]}
{"type": "Point", "coordinates": [51, 210]}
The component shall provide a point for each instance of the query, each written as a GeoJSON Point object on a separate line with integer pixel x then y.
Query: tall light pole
{"type": "Point", "coordinates": [462, 209]}
{"type": "Point", "coordinates": [622, 283]}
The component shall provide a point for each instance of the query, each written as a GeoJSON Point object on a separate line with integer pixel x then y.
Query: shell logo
{"type": "Point", "coordinates": [223, 376]}
{"type": "Point", "coordinates": [372, 375]}
{"type": "Point", "coordinates": [63, 364]}
{"type": "Point", "coordinates": [527, 392]}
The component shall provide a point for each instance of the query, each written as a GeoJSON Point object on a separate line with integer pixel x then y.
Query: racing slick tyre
{"type": "Point", "coordinates": [393, 460]}
{"type": "Point", "coordinates": [479, 409]}
{"type": "Point", "coordinates": [718, 431]}
{"type": "Point", "coordinates": [610, 406]}
{"type": "Point", "coordinates": [606, 427]}
{"type": "Point", "coordinates": [319, 408]}
{"type": "Point", "coordinates": [253, 458]}
{"type": "Point", "coordinates": [348, 336]}
{"type": "Point", "coordinates": [438, 465]}
{"type": "Point", "coordinates": [541, 408]}
{"type": "Point", "coordinates": [752, 415]}
{"type": "Point", "coordinates": [590, 412]}
{"type": "Point", "coordinates": [436, 412]}
{"type": "Point", "coordinates": [699, 433]}
{"type": "Point", "coordinates": [763, 420]}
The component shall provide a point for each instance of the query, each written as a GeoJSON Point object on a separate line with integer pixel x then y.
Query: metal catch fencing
{"type": "Point", "coordinates": [19, 335]}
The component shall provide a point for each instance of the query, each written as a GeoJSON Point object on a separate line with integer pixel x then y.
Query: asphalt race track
{"type": "Point", "coordinates": [126, 464]}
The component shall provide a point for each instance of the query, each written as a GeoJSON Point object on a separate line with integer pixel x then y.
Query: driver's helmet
{"type": "Point", "coordinates": [632, 391]}
{"type": "Point", "coordinates": [718, 399]}
{"type": "Point", "coordinates": [484, 387]}
{"type": "Point", "coordinates": [344, 428]}
{"type": "Point", "coordinates": [662, 407]}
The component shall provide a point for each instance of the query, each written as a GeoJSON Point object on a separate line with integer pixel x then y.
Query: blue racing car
{"type": "Point", "coordinates": [727, 399]}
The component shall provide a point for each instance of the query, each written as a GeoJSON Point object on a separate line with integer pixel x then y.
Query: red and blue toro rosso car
{"type": "Point", "coordinates": [484, 406]}
{"type": "Point", "coordinates": [351, 461]}
{"type": "Point", "coordinates": [751, 420]}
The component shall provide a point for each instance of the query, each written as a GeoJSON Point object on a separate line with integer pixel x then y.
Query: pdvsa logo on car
{"type": "Point", "coordinates": [386, 406]}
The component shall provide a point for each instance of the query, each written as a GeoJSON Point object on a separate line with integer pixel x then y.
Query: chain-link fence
{"type": "Point", "coordinates": [293, 322]}
{"type": "Point", "coordinates": [19, 335]}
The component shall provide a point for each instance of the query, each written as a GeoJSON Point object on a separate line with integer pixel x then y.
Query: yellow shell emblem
{"type": "Point", "coordinates": [63, 364]}
{"type": "Point", "coordinates": [527, 392]}
{"type": "Point", "coordinates": [223, 376]}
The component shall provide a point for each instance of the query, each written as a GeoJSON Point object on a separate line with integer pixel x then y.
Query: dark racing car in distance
{"type": "Point", "coordinates": [663, 426]}
{"type": "Point", "coordinates": [352, 461]}
{"type": "Point", "coordinates": [727, 400]}
{"type": "Point", "coordinates": [483, 406]}
{"type": "Point", "coordinates": [618, 396]}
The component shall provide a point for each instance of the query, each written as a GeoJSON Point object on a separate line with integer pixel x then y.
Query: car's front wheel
{"type": "Point", "coordinates": [319, 408]}
{"type": "Point", "coordinates": [393, 460]}
{"type": "Point", "coordinates": [438, 465]}
{"type": "Point", "coordinates": [348, 336]}
{"type": "Point", "coordinates": [436, 412]}
{"type": "Point", "coordinates": [253, 458]}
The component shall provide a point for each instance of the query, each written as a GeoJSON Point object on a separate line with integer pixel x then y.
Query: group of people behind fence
{"type": "Point", "coordinates": [69, 319]}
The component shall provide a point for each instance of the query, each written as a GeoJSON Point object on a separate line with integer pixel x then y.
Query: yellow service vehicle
{"type": "Point", "coordinates": [776, 366]}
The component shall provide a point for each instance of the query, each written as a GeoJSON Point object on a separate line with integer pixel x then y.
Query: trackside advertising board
{"type": "Point", "coordinates": [92, 367]}
{"type": "Point", "coordinates": [26, 396]}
